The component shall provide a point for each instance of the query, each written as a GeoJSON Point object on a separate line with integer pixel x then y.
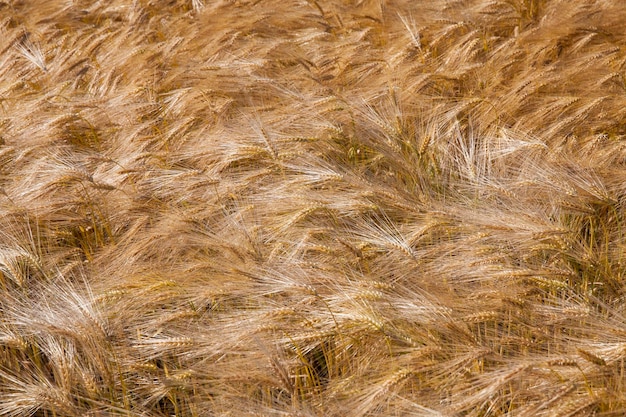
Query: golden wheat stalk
{"type": "Point", "coordinates": [312, 208]}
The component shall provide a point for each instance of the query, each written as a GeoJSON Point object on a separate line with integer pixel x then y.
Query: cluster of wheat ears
{"type": "Point", "coordinates": [313, 208]}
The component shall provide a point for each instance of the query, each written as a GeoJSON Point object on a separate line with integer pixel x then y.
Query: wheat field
{"type": "Point", "coordinates": [312, 208]}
